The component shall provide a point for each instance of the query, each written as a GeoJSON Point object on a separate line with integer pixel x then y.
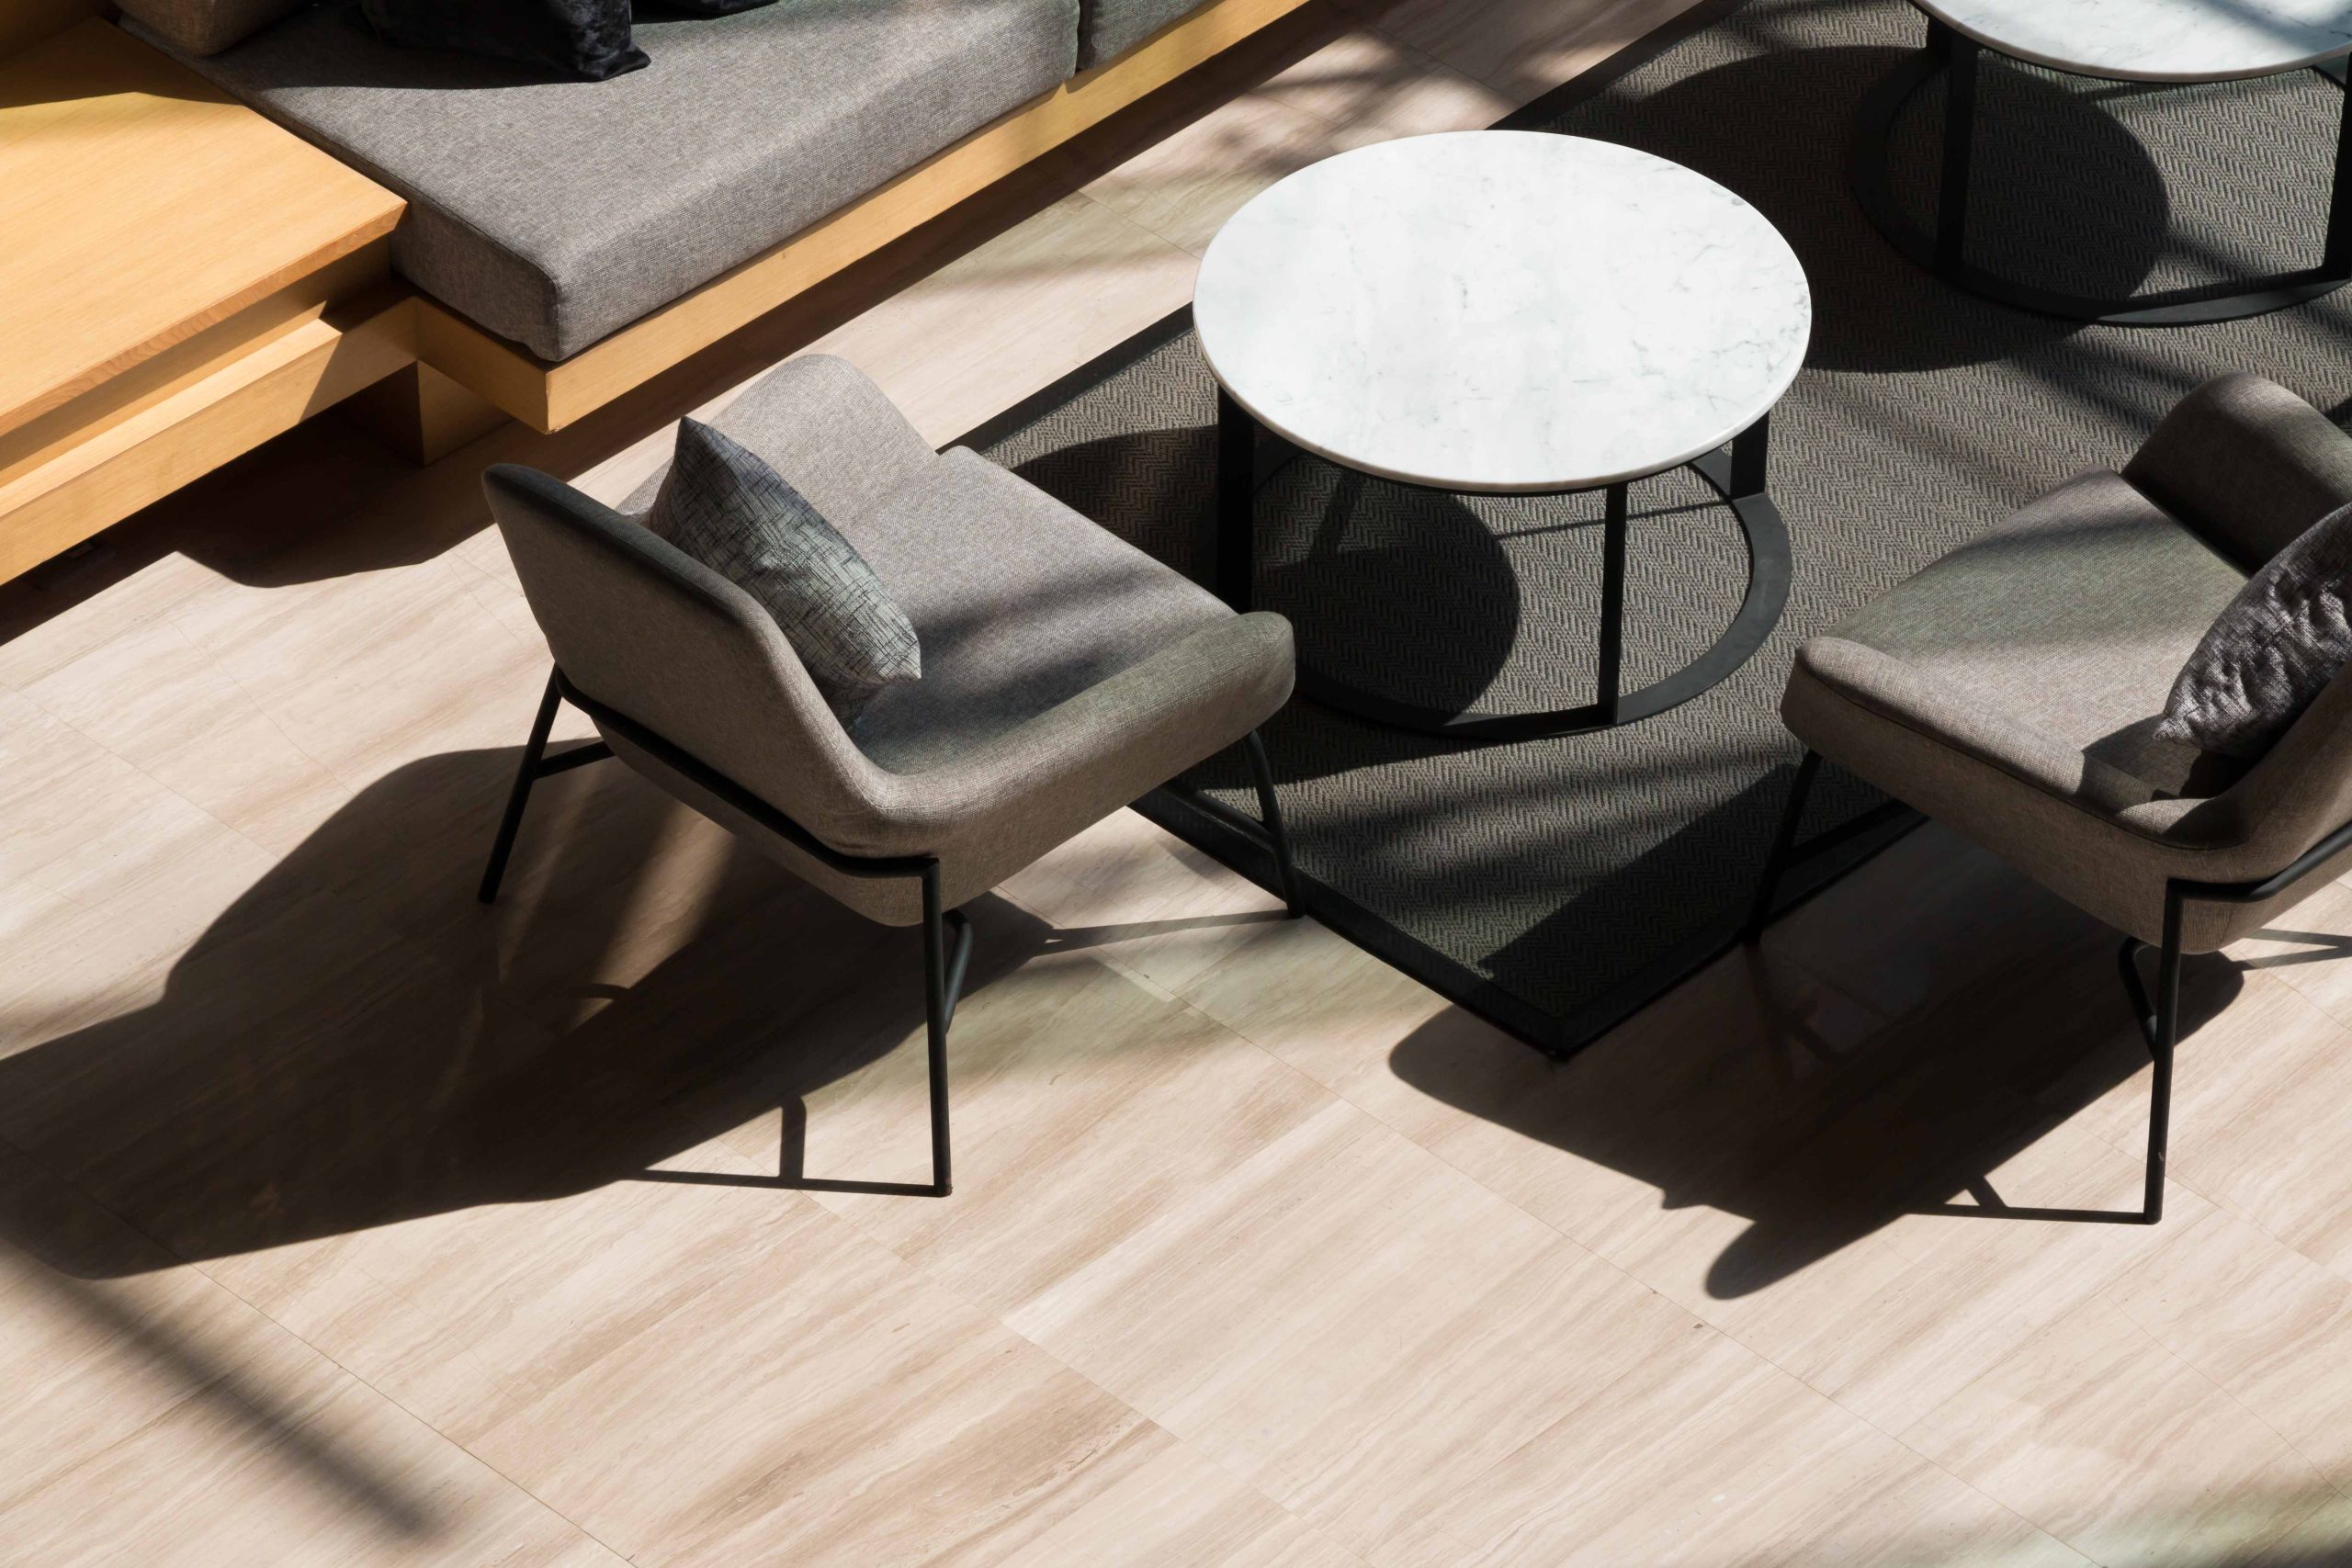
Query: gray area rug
{"type": "Point", "coordinates": [1557, 885]}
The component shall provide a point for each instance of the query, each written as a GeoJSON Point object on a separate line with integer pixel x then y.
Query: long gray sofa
{"type": "Point", "coordinates": [554, 213]}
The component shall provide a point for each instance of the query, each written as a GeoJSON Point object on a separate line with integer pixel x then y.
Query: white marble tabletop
{"type": "Point", "coordinates": [2157, 40]}
{"type": "Point", "coordinates": [1499, 311]}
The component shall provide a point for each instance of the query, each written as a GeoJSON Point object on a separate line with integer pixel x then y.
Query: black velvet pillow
{"type": "Point", "coordinates": [586, 38]}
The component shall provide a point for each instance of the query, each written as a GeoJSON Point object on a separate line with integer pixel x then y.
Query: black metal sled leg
{"type": "Point", "coordinates": [943, 986]}
{"type": "Point", "coordinates": [535, 765]}
{"type": "Point", "coordinates": [1784, 843]}
{"type": "Point", "coordinates": [525, 773]}
{"type": "Point", "coordinates": [1270, 812]}
{"type": "Point", "coordinates": [2160, 1023]}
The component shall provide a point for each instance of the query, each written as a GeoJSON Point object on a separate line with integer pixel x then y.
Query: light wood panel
{"type": "Point", "coordinates": [142, 206]}
{"type": "Point", "coordinates": [548, 397]}
{"type": "Point", "coordinates": [193, 424]}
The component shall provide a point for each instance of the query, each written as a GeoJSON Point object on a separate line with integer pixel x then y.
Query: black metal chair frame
{"type": "Point", "coordinates": [2159, 1019]}
{"type": "Point", "coordinates": [943, 968]}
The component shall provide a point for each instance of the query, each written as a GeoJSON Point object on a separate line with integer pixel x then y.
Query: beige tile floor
{"type": "Point", "coordinates": [341, 1221]}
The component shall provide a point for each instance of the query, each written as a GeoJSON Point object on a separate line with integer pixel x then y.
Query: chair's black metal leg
{"type": "Point", "coordinates": [2159, 1023]}
{"type": "Point", "coordinates": [1784, 843]}
{"type": "Point", "coordinates": [526, 771]}
{"type": "Point", "coordinates": [1270, 812]}
{"type": "Point", "coordinates": [943, 974]}
{"type": "Point", "coordinates": [1960, 55]}
{"type": "Point", "coordinates": [2161, 1042]}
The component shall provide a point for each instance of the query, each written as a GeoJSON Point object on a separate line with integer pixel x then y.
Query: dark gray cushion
{"type": "Point", "coordinates": [728, 508]}
{"type": "Point", "coordinates": [2272, 650]}
{"type": "Point", "coordinates": [555, 212]}
{"type": "Point", "coordinates": [1108, 28]}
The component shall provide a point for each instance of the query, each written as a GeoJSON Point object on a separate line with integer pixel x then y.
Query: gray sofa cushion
{"type": "Point", "coordinates": [1108, 28]}
{"type": "Point", "coordinates": [726, 507]}
{"type": "Point", "coordinates": [208, 26]}
{"type": "Point", "coordinates": [2272, 650]}
{"type": "Point", "coordinates": [554, 213]}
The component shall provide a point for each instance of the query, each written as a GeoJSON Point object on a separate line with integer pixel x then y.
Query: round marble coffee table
{"type": "Point", "coordinates": [2122, 40]}
{"type": "Point", "coordinates": [1507, 313]}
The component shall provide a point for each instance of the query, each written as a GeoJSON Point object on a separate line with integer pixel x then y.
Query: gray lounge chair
{"type": "Point", "coordinates": [1065, 673]}
{"type": "Point", "coordinates": [2009, 691]}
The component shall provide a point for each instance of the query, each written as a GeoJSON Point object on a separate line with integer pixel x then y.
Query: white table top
{"type": "Point", "coordinates": [2157, 40]}
{"type": "Point", "coordinates": [1497, 312]}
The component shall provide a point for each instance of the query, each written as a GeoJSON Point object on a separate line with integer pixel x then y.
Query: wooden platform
{"type": "Point", "coordinates": [180, 281]}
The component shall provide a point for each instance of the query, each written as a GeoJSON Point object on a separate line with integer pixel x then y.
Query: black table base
{"type": "Point", "coordinates": [1956, 57]}
{"type": "Point", "coordinates": [1737, 476]}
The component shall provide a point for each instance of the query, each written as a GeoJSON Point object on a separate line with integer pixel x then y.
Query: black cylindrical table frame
{"type": "Point", "coordinates": [1942, 251]}
{"type": "Point", "coordinates": [1737, 476]}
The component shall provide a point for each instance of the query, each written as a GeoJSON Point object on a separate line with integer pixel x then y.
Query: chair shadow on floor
{"type": "Point", "coordinates": [1757, 1090]}
{"type": "Point", "coordinates": [357, 1042]}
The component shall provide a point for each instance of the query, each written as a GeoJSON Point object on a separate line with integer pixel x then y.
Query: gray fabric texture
{"type": "Point", "coordinates": [647, 631]}
{"type": "Point", "coordinates": [2247, 463]}
{"type": "Point", "coordinates": [726, 507]}
{"type": "Point", "coordinates": [2015, 690]}
{"type": "Point", "coordinates": [2272, 649]}
{"type": "Point", "coordinates": [1108, 28]}
{"type": "Point", "coordinates": [208, 26]}
{"type": "Point", "coordinates": [554, 213]}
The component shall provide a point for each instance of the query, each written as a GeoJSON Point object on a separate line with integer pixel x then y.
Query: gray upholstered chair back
{"type": "Point", "coordinates": [640, 627]}
{"type": "Point", "coordinates": [2297, 795]}
{"type": "Point", "coordinates": [2248, 465]}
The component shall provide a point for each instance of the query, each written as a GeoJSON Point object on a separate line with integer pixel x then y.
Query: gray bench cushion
{"type": "Point", "coordinates": [1108, 28]}
{"type": "Point", "coordinates": [554, 213]}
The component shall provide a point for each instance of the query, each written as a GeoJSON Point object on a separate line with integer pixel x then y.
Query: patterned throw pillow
{"type": "Point", "coordinates": [738, 517]}
{"type": "Point", "coordinates": [2272, 649]}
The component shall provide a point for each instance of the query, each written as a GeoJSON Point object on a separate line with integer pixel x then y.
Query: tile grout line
{"type": "Point", "coordinates": [982, 1310]}
{"type": "Point", "coordinates": [215, 1282]}
{"type": "Point", "coordinates": [1643, 1285]}
{"type": "Point", "coordinates": [2106, 1293]}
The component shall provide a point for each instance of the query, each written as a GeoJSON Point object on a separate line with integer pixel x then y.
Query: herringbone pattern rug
{"type": "Point", "coordinates": [1554, 886]}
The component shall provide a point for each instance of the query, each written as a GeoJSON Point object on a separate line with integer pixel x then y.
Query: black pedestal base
{"type": "Point", "coordinates": [1736, 476]}
{"type": "Point", "coordinates": [1955, 56]}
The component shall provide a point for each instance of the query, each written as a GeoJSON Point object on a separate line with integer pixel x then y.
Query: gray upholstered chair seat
{"type": "Point", "coordinates": [2047, 646]}
{"type": "Point", "coordinates": [2009, 690]}
{"type": "Point", "coordinates": [1065, 673]}
{"type": "Point", "coordinates": [1020, 604]}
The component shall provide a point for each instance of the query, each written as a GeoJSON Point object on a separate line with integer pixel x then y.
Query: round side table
{"type": "Point", "coordinates": [2118, 40]}
{"type": "Point", "coordinates": [1508, 313]}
